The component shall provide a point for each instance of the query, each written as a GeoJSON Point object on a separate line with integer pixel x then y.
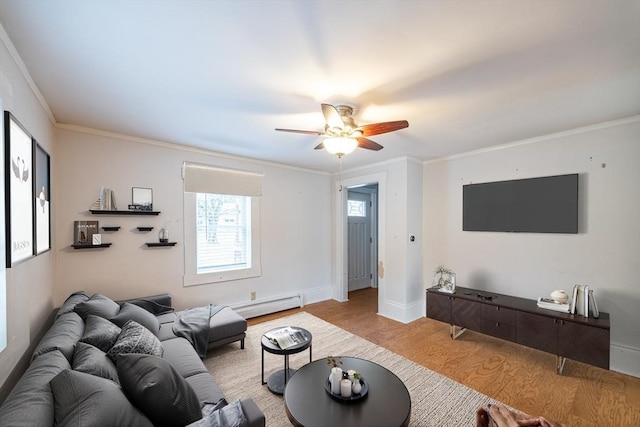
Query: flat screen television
{"type": "Point", "coordinates": [535, 205]}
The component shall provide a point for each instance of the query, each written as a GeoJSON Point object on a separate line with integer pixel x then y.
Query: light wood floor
{"type": "Point", "coordinates": [518, 376]}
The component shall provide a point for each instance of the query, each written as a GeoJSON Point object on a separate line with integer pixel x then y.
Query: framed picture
{"type": "Point", "coordinates": [141, 199]}
{"type": "Point", "coordinates": [18, 185]}
{"type": "Point", "coordinates": [42, 199]}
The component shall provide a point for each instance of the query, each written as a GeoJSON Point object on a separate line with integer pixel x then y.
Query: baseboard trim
{"type": "Point", "coordinates": [625, 360]}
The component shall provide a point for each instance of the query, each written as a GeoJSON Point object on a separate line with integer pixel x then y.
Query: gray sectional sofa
{"type": "Point", "coordinates": [107, 363]}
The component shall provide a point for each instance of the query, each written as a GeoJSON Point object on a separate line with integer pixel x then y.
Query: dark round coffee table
{"type": "Point", "coordinates": [278, 380]}
{"type": "Point", "coordinates": [307, 403]}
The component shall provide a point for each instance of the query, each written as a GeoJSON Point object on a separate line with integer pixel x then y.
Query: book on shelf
{"type": "Point", "coordinates": [574, 299]}
{"type": "Point", "coordinates": [550, 304]}
{"type": "Point", "coordinates": [593, 304]}
{"type": "Point", "coordinates": [286, 337]}
{"type": "Point", "coordinates": [585, 301]}
{"type": "Point", "coordinates": [83, 232]}
{"type": "Point", "coordinates": [580, 300]}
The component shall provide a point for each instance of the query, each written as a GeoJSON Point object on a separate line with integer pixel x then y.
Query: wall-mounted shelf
{"type": "Point", "coordinates": [115, 228]}
{"type": "Point", "coordinates": [114, 212]}
{"type": "Point", "coordinates": [103, 245]}
{"type": "Point", "coordinates": [159, 244]}
{"type": "Point", "coordinates": [145, 228]}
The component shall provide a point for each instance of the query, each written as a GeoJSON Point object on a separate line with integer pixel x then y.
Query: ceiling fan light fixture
{"type": "Point", "coordinates": [340, 145]}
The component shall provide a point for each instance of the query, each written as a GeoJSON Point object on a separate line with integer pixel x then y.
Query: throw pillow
{"type": "Point", "coordinates": [135, 338]}
{"type": "Point", "coordinates": [71, 301]}
{"type": "Point", "coordinates": [100, 332]}
{"type": "Point", "coordinates": [85, 400]}
{"type": "Point", "coordinates": [98, 305]}
{"type": "Point", "coordinates": [94, 361]}
{"type": "Point", "coordinates": [157, 388]}
{"type": "Point", "coordinates": [130, 311]}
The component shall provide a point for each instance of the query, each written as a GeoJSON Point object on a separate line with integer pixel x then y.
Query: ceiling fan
{"type": "Point", "coordinates": [342, 133]}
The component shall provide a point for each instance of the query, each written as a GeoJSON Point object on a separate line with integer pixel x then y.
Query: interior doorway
{"type": "Point", "coordinates": [362, 237]}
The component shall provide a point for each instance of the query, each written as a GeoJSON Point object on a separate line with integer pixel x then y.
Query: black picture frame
{"type": "Point", "coordinates": [41, 199]}
{"type": "Point", "coordinates": [18, 186]}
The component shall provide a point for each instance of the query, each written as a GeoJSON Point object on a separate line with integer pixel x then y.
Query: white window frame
{"type": "Point", "coordinates": [231, 178]}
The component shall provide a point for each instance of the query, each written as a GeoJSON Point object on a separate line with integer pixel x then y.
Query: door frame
{"type": "Point", "coordinates": [341, 287]}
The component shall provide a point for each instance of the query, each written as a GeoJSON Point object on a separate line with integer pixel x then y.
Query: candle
{"type": "Point", "coordinates": [345, 388]}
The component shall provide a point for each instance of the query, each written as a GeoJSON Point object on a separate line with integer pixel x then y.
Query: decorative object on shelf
{"type": "Point", "coordinates": [83, 232]}
{"type": "Point", "coordinates": [141, 199]}
{"type": "Point", "coordinates": [560, 296]}
{"type": "Point", "coordinates": [96, 239]}
{"type": "Point", "coordinates": [163, 234]}
{"type": "Point", "coordinates": [18, 189]}
{"type": "Point", "coordinates": [445, 279]}
{"type": "Point", "coordinates": [106, 201]}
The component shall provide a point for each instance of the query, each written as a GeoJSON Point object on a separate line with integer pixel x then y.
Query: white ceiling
{"type": "Point", "coordinates": [223, 74]}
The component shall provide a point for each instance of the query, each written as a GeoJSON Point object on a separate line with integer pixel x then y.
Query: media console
{"type": "Point", "coordinates": [520, 320]}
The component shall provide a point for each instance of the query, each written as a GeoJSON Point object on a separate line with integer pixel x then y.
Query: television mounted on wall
{"type": "Point", "coordinates": [536, 205]}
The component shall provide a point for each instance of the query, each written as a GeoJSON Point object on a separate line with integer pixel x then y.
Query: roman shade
{"type": "Point", "coordinates": [200, 178]}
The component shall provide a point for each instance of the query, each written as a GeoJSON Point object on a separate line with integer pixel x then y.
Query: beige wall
{"type": "Point", "coordinates": [29, 285]}
{"type": "Point", "coordinates": [295, 223]}
{"type": "Point", "coordinates": [605, 254]}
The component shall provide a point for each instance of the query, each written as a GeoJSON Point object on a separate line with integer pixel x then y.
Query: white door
{"type": "Point", "coordinates": [359, 240]}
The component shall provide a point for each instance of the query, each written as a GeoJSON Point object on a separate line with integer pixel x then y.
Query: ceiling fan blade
{"type": "Point", "coordinates": [308, 132]}
{"type": "Point", "coordinates": [319, 146]}
{"type": "Point", "coordinates": [378, 128]}
{"type": "Point", "coordinates": [332, 116]}
{"type": "Point", "coordinates": [369, 144]}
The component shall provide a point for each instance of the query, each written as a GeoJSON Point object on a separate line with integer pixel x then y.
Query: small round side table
{"type": "Point", "coordinates": [278, 380]}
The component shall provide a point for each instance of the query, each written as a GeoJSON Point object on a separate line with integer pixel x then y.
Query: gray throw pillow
{"type": "Point", "coordinates": [130, 311]}
{"type": "Point", "coordinates": [71, 301]}
{"type": "Point", "coordinates": [63, 335]}
{"type": "Point", "coordinates": [135, 338]}
{"type": "Point", "coordinates": [98, 305]}
{"type": "Point", "coordinates": [94, 361]}
{"type": "Point", "coordinates": [86, 400]}
{"type": "Point", "coordinates": [156, 388]}
{"type": "Point", "coordinates": [100, 332]}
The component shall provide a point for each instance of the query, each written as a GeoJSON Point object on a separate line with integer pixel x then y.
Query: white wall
{"type": "Point", "coordinates": [295, 223]}
{"type": "Point", "coordinates": [30, 284]}
{"type": "Point", "coordinates": [400, 279]}
{"type": "Point", "coordinates": [605, 254]}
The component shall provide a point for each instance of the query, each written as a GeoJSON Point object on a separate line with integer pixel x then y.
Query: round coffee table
{"type": "Point", "coordinates": [307, 403]}
{"type": "Point", "coordinates": [278, 380]}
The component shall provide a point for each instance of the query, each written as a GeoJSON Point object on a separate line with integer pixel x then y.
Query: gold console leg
{"type": "Point", "coordinates": [455, 334]}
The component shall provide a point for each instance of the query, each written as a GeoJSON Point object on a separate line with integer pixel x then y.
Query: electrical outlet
{"type": "Point", "coordinates": [253, 295]}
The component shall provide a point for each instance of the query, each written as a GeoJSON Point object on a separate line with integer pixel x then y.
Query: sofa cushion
{"type": "Point", "coordinates": [31, 402]}
{"type": "Point", "coordinates": [130, 311]}
{"type": "Point", "coordinates": [91, 360]}
{"type": "Point", "coordinates": [157, 389]}
{"type": "Point", "coordinates": [69, 303]}
{"type": "Point", "coordinates": [135, 338]}
{"type": "Point", "coordinates": [86, 400]}
{"type": "Point", "coordinates": [181, 354]}
{"type": "Point", "coordinates": [98, 305]}
{"type": "Point", "coordinates": [205, 387]}
{"type": "Point", "coordinates": [63, 335]}
{"type": "Point", "coordinates": [100, 332]}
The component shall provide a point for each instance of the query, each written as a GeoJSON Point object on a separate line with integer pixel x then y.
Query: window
{"type": "Point", "coordinates": [222, 227]}
{"type": "Point", "coordinates": [223, 232]}
{"type": "Point", "coordinates": [356, 208]}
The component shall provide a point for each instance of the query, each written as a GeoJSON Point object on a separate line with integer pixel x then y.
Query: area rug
{"type": "Point", "coordinates": [435, 399]}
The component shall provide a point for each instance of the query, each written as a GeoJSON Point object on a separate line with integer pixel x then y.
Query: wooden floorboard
{"type": "Point", "coordinates": [516, 375]}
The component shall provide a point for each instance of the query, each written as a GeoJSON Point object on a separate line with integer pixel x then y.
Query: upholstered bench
{"type": "Point", "coordinates": [225, 327]}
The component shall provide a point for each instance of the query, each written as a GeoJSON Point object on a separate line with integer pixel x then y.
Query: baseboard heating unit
{"type": "Point", "coordinates": [268, 305]}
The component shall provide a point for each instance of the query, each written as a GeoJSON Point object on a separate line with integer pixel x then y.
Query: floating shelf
{"type": "Point", "coordinates": [158, 244]}
{"type": "Point", "coordinates": [115, 228]}
{"type": "Point", "coordinates": [145, 228]}
{"type": "Point", "coordinates": [103, 245]}
{"type": "Point", "coordinates": [114, 212]}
